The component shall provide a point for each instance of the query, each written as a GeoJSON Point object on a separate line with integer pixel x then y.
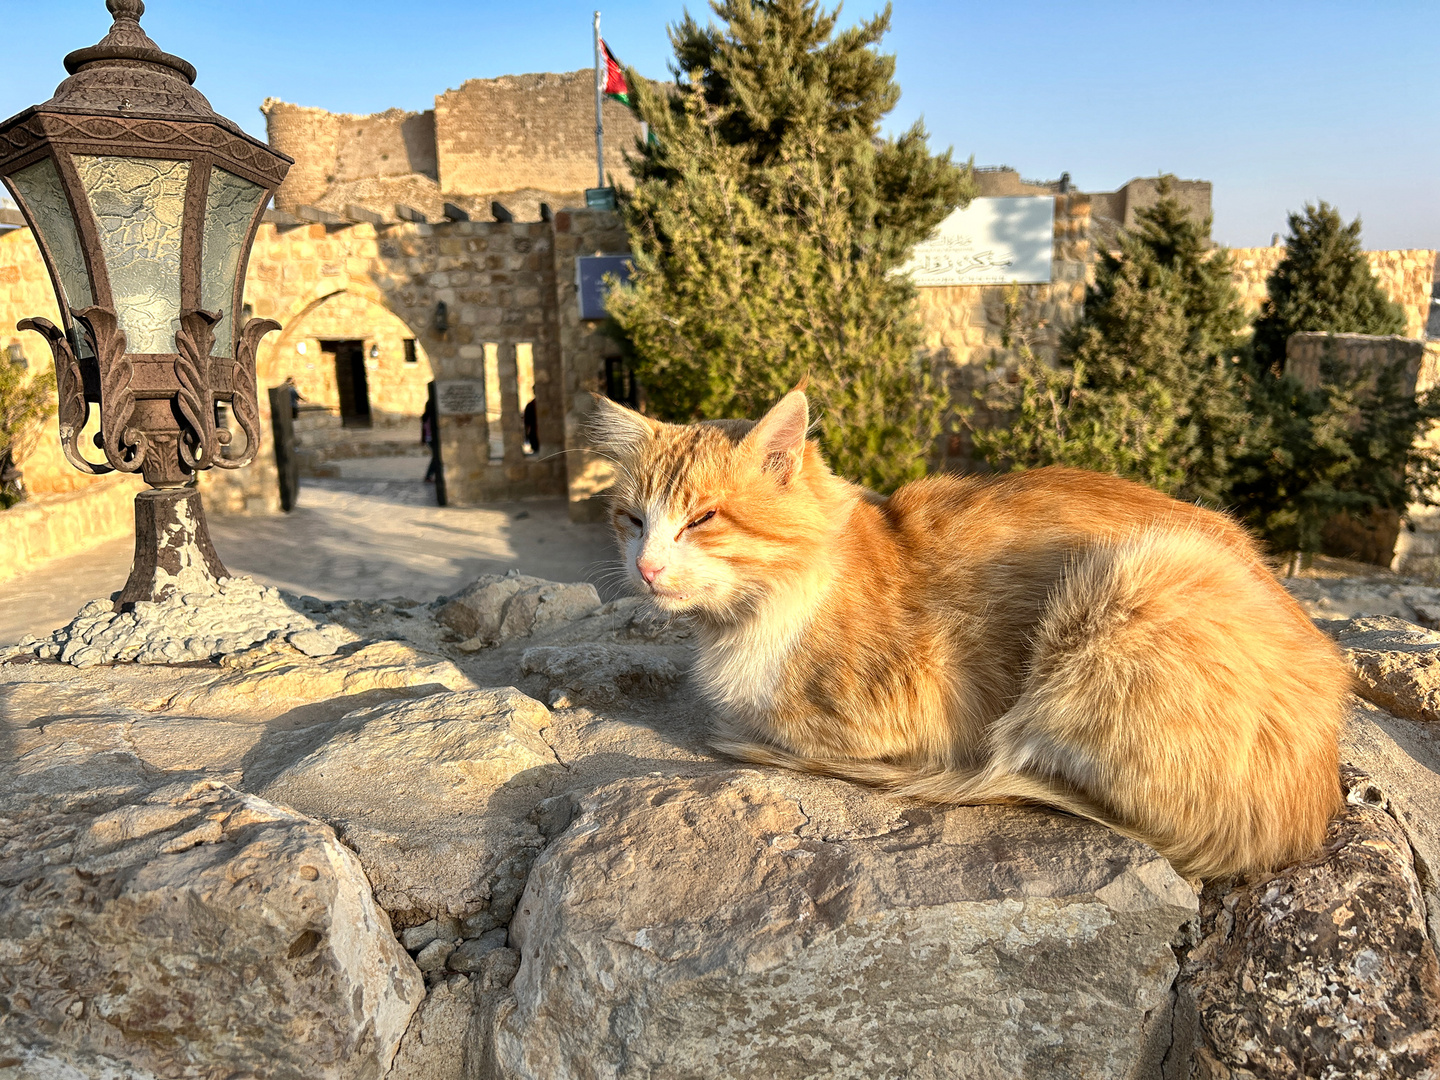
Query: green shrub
{"type": "Point", "coordinates": [25, 404]}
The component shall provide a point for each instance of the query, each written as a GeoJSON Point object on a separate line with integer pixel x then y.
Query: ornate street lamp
{"type": "Point", "coordinates": [145, 202]}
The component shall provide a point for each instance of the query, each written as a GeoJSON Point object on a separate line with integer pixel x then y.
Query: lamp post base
{"type": "Point", "coordinates": [173, 552]}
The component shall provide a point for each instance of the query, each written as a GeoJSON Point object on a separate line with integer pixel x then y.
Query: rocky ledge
{"type": "Point", "coordinates": [485, 838]}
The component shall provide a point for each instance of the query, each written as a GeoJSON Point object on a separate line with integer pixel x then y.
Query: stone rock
{"type": "Point", "coordinates": [190, 930]}
{"type": "Point", "coordinates": [433, 1046]}
{"type": "Point", "coordinates": [1353, 598]}
{"type": "Point", "coordinates": [497, 969]}
{"type": "Point", "coordinates": [322, 641]}
{"type": "Point", "coordinates": [598, 674]}
{"type": "Point", "coordinates": [692, 927]}
{"type": "Point", "coordinates": [499, 607]}
{"type": "Point", "coordinates": [433, 956]}
{"type": "Point", "coordinates": [415, 938]}
{"type": "Point", "coordinates": [469, 956]}
{"type": "Point", "coordinates": [1325, 968]}
{"type": "Point", "coordinates": [278, 679]}
{"type": "Point", "coordinates": [432, 794]}
{"type": "Point", "coordinates": [1398, 664]}
{"type": "Point", "coordinates": [1402, 757]}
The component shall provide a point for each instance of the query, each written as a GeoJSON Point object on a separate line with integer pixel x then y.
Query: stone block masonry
{"type": "Point", "coordinates": [528, 136]}
{"type": "Point", "coordinates": [497, 282]}
{"type": "Point", "coordinates": [1406, 276]}
{"type": "Point", "coordinates": [964, 325]}
{"type": "Point", "coordinates": [34, 532]}
{"type": "Point", "coordinates": [522, 131]}
{"type": "Point", "coordinates": [585, 347]}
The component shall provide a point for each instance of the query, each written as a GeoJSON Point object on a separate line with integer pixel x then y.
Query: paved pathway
{"type": "Point", "coordinates": [363, 538]}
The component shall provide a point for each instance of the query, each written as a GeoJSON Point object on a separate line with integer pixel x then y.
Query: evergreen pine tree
{"type": "Point", "coordinates": [1148, 388]}
{"type": "Point", "coordinates": [766, 223]}
{"type": "Point", "coordinates": [1324, 283]}
{"type": "Point", "coordinates": [1347, 446]}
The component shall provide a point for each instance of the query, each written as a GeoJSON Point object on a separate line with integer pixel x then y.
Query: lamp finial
{"type": "Point", "coordinates": [126, 9]}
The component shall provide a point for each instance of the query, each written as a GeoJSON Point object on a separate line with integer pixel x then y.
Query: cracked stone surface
{"type": "Point", "coordinates": [160, 927]}
{"type": "Point", "coordinates": [509, 842]}
{"type": "Point", "coordinates": [1325, 968]}
{"type": "Point", "coordinates": [433, 795]}
{"type": "Point", "coordinates": [708, 928]}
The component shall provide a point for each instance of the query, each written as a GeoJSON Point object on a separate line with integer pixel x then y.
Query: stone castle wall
{"type": "Point", "coordinates": [526, 134]}
{"type": "Point", "coordinates": [528, 131]}
{"type": "Point", "coordinates": [964, 326]}
{"type": "Point", "coordinates": [1407, 276]}
{"type": "Point", "coordinates": [497, 281]}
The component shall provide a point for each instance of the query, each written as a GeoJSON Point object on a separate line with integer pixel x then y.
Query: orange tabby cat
{"type": "Point", "coordinates": [1053, 636]}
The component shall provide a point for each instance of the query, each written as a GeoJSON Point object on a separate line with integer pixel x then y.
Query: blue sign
{"type": "Point", "coordinates": [590, 271]}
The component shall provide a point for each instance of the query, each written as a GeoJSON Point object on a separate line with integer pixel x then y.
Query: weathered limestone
{"type": "Point", "coordinates": [1398, 664]}
{"type": "Point", "coordinates": [1324, 969]}
{"type": "Point", "coordinates": [599, 674]}
{"type": "Point", "coordinates": [706, 928]}
{"type": "Point", "coordinates": [498, 607]}
{"type": "Point", "coordinates": [1402, 759]}
{"type": "Point", "coordinates": [421, 789]}
{"type": "Point", "coordinates": [184, 929]}
{"type": "Point", "coordinates": [434, 1044]}
{"type": "Point", "coordinates": [587, 892]}
{"type": "Point", "coordinates": [270, 678]}
{"type": "Point", "coordinates": [1351, 598]}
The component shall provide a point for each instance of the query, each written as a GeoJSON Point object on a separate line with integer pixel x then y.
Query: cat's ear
{"type": "Point", "coordinates": [778, 440]}
{"type": "Point", "coordinates": [615, 428]}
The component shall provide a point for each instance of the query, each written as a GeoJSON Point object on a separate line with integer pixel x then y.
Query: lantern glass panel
{"type": "Point", "coordinates": [39, 187]}
{"type": "Point", "coordinates": [139, 206]}
{"type": "Point", "coordinates": [230, 206]}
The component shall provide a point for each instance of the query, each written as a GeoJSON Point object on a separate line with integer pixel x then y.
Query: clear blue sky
{"type": "Point", "coordinates": [1275, 101]}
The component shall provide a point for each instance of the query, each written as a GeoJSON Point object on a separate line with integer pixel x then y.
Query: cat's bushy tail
{"type": "Point", "coordinates": [981, 787]}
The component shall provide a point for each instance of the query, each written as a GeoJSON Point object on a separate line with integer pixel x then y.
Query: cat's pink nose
{"type": "Point", "coordinates": [649, 571]}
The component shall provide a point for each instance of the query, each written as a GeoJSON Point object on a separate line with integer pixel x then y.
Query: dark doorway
{"type": "Point", "coordinates": [350, 381]}
{"type": "Point", "coordinates": [620, 383]}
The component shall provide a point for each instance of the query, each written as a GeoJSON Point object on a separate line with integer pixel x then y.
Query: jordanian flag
{"type": "Point", "coordinates": [615, 84]}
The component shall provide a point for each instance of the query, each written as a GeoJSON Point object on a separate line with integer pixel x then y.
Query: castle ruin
{"type": "Point", "coordinates": [518, 140]}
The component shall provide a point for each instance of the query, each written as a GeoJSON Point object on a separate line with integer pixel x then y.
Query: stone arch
{"type": "Point", "coordinates": [350, 310]}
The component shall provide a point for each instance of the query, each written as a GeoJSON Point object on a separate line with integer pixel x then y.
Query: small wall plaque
{"type": "Point", "coordinates": [590, 271]}
{"type": "Point", "coordinates": [460, 397]}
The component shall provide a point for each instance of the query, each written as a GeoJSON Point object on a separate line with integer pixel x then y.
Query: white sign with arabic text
{"type": "Point", "coordinates": [993, 241]}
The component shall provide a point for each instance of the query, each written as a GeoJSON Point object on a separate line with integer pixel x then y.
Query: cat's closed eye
{"type": "Point", "coordinates": [636, 521]}
{"type": "Point", "coordinates": [701, 519]}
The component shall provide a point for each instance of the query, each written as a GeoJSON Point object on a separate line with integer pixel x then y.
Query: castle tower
{"type": "Point", "coordinates": [310, 136]}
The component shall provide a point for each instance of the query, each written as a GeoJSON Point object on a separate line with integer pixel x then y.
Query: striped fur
{"type": "Point", "coordinates": [1050, 636]}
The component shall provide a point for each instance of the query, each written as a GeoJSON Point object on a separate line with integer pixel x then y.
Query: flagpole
{"type": "Point", "coordinates": [599, 99]}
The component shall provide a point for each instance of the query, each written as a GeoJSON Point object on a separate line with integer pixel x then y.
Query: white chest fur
{"type": "Point", "coordinates": [741, 667]}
